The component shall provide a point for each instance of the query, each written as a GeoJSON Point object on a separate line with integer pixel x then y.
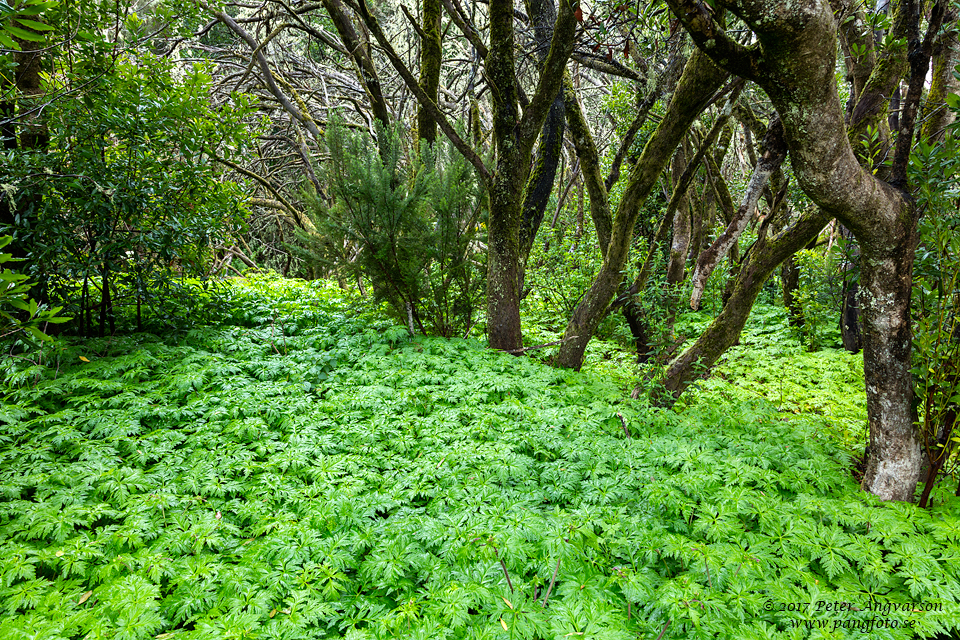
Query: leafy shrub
{"type": "Point", "coordinates": [936, 292]}
{"type": "Point", "coordinates": [314, 473]}
{"type": "Point", "coordinates": [129, 200]}
{"type": "Point", "coordinates": [18, 313]}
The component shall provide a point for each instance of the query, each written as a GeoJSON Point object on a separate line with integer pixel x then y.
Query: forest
{"type": "Point", "coordinates": [479, 319]}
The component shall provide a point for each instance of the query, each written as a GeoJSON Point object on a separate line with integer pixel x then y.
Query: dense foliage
{"type": "Point", "coordinates": [128, 200]}
{"type": "Point", "coordinates": [413, 228]}
{"type": "Point", "coordinates": [310, 471]}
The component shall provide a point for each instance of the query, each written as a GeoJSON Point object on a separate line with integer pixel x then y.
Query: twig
{"type": "Point", "coordinates": [664, 630]}
{"type": "Point", "coordinates": [553, 581]}
{"type": "Point", "coordinates": [503, 566]}
{"type": "Point", "coordinates": [623, 421]}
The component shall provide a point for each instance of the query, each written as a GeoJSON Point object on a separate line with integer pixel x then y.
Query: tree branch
{"type": "Point", "coordinates": [428, 105]}
{"type": "Point", "coordinates": [268, 77]}
{"type": "Point", "coordinates": [729, 54]}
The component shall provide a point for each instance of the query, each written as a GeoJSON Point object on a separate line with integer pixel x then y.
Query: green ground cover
{"type": "Point", "coordinates": [309, 471]}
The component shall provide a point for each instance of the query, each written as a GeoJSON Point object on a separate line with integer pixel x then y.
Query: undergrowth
{"type": "Point", "coordinates": [308, 473]}
{"type": "Point", "coordinates": [825, 387]}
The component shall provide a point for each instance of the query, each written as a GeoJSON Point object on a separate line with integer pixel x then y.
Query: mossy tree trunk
{"type": "Point", "coordinates": [431, 57]}
{"type": "Point", "coordinates": [539, 186]}
{"type": "Point", "coordinates": [360, 54]}
{"type": "Point", "coordinates": [794, 62]}
{"type": "Point", "coordinates": [700, 79]}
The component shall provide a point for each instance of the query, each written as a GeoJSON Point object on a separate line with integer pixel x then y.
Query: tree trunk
{"type": "Point", "coordinates": [360, 53]}
{"type": "Point", "coordinates": [431, 57]}
{"type": "Point", "coordinates": [544, 171]}
{"type": "Point", "coordinates": [795, 64]}
{"type": "Point", "coordinates": [701, 78]}
{"type": "Point", "coordinates": [515, 137]}
{"type": "Point", "coordinates": [680, 244]}
{"type": "Point", "coordinates": [893, 467]}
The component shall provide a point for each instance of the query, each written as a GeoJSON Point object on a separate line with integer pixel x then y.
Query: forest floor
{"type": "Point", "coordinates": [306, 469]}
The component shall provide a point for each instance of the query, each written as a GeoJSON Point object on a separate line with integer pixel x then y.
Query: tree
{"type": "Point", "coordinates": [793, 60]}
{"type": "Point", "coordinates": [123, 198]}
{"type": "Point", "coordinates": [514, 135]}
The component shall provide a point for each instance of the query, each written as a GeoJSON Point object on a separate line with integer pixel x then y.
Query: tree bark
{"type": "Point", "coordinates": [543, 175]}
{"type": "Point", "coordinates": [700, 79]}
{"type": "Point", "coordinates": [795, 66]}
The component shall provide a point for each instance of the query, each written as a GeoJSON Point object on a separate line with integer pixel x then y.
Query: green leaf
{"type": "Point", "coordinates": [33, 24]}
{"type": "Point", "coordinates": [23, 34]}
{"type": "Point", "coordinates": [7, 41]}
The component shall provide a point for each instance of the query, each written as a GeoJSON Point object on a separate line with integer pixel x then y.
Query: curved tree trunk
{"type": "Point", "coordinates": [700, 79]}
{"type": "Point", "coordinates": [796, 67]}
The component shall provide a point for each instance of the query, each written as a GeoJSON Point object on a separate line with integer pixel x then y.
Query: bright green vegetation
{"type": "Point", "coordinates": [770, 362]}
{"type": "Point", "coordinates": [307, 471]}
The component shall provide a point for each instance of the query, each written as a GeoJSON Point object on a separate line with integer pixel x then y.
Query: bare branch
{"type": "Point", "coordinates": [429, 105]}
